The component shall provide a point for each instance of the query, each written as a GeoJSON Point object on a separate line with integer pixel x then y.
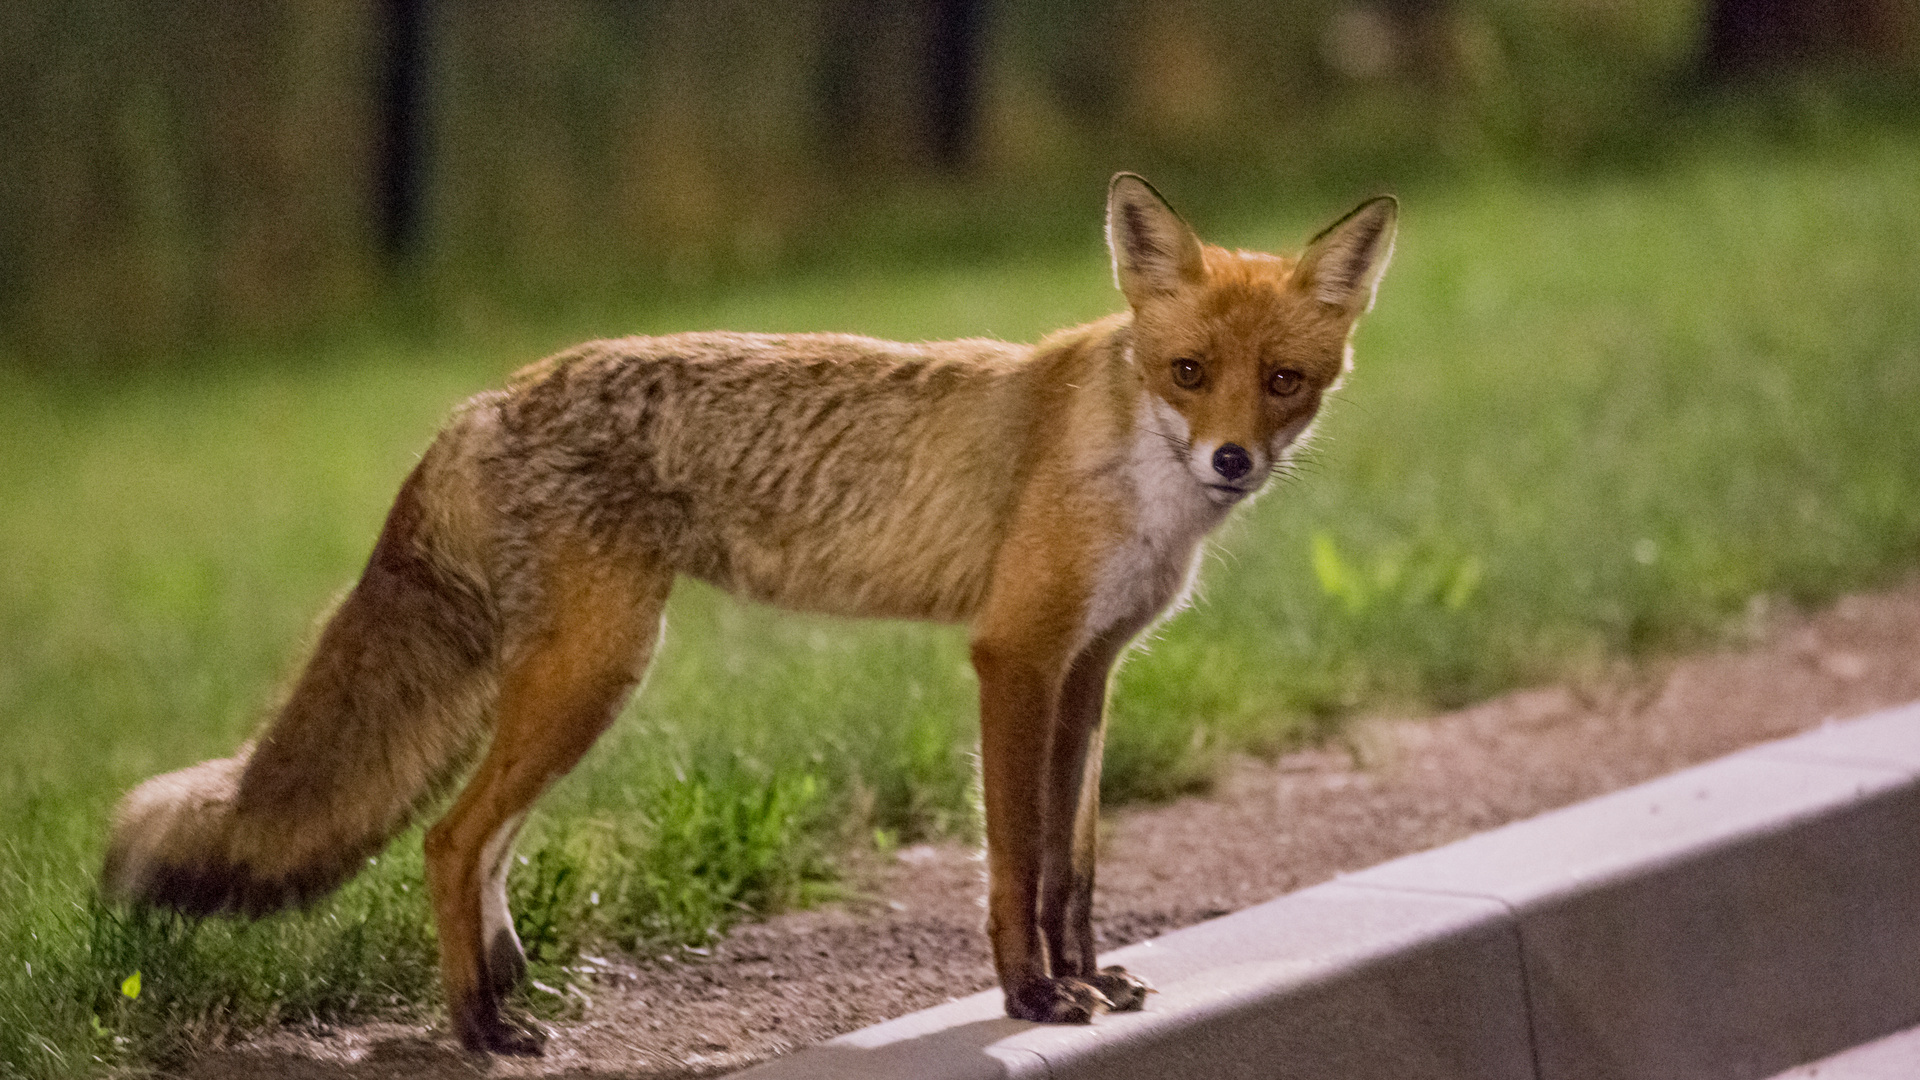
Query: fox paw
{"type": "Point", "coordinates": [484, 1030]}
{"type": "Point", "coordinates": [512, 1040]}
{"type": "Point", "coordinates": [518, 1042]}
{"type": "Point", "coordinates": [1127, 992]}
{"type": "Point", "coordinates": [1056, 1001]}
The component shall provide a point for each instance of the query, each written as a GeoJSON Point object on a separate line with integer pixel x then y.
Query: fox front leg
{"type": "Point", "coordinates": [1025, 641]}
{"type": "Point", "coordinates": [1017, 699]}
{"type": "Point", "coordinates": [1073, 818]}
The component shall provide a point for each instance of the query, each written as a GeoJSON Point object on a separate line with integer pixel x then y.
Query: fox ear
{"type": "Point", "coordinates": [1342, 266]}
{"type": "Point", "coordinates": [1154, 253]}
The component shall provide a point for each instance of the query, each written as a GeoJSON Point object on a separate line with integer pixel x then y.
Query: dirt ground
{"type": "Point", "coordinates": [1394, 787]}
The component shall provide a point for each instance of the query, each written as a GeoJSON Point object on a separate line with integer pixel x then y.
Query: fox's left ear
{"type": "Point", "coordinates": [1342, 266]}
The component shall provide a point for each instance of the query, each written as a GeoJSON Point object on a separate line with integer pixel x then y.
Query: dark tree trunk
{"type": "Point", "coordinates": [843, 65]}
{"type": "Point", "coordinates": [399, 162]}
{"type": "Point", "coordinates": [952, 85]}
{"type": "Point", "coordinates": [899, 81]}
{"type": "Point", "coordinates": [1747, 36]}
{"type": "Point", "coordinates": [1425, 43]}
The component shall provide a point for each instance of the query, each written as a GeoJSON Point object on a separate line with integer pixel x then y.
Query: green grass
{"type": "Point", "coordinates": [1589, 420]}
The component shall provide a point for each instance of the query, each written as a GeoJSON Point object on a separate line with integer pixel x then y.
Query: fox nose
{"type": "Point", "coordinates": [1232, 461]}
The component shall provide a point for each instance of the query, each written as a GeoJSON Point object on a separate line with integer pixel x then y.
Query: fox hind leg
{"type": "Point", "coordinates": [506, 959]}
{"type": "Point", "coordinates": [563, 681]}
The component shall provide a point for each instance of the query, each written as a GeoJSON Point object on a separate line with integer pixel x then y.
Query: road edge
{"type": "Point", "coordinates": [1725, 922]}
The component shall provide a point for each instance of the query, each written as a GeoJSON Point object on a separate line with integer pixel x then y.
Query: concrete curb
{"type": "Point", "coordinates": [1896, 1057]}
{"type": "Point", "coordinates": [1727, 922]}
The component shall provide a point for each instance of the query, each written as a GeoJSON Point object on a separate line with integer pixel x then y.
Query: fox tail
{"type": "Point", "coordinates": [395, 696]}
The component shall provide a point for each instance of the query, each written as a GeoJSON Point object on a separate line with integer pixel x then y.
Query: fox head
{"type": "Point", "coordinates": [1237, 349]}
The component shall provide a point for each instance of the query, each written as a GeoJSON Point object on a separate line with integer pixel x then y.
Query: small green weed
{"type": "Point", "coordinates": [686, 860]}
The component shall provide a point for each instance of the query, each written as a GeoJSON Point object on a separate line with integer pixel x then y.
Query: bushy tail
{"type": "Point", "coordinates": [395, 696]}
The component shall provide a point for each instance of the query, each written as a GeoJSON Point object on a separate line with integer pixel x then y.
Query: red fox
{"type": "Point", "coordinates": [1052, 496]}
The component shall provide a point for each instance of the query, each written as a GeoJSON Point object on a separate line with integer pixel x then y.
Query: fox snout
{"type": "Point", "coordinates": [1227, 471]}
{"type": "Point", "coordinates": [1232, 461]}
{"type": "Point", "coordinates": [1230, 473]}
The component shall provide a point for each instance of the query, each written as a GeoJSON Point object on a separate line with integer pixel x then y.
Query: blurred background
{"type": "Point", "coordinates": [218, 171]}
{"type": "Point", "coordinates": [1644, 377]}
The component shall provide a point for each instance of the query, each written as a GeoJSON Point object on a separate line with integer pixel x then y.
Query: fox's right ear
{"type": "Point", "coordinates": [1154, 252]}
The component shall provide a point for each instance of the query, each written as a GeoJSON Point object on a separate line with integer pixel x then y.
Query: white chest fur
{"type": "Point", "coordinates": [1150, 569]}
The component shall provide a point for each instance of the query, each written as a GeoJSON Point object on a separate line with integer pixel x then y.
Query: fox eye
{"type": "Point", "coordinates": [1285, 382]}
{"type": "Point", "coordinates": [1188, 373]}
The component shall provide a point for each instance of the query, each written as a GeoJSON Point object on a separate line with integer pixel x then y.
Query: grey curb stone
{"type": "Point", "coordinates": [1358, 982]}
{"type": "Point", "coordinates": [1896, 1057]}
{"type": "Point", "coordinates": [1723, 923]}
{"type": "Point", "coordinates": [1363, 982]}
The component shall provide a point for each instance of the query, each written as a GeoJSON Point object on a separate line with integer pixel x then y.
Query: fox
{"type": "Point", "coordinates": [1052, 497]}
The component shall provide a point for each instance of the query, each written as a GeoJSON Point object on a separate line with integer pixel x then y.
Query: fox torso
{"type": "Point", "coordinates": [829, 472]}
{"type": "Point", "coordinates": [820, 472]}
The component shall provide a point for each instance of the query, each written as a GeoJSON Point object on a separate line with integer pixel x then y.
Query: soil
{"type": "Point", "coordinates": [1391, 787]}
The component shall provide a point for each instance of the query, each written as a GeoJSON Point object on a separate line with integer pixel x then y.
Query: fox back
{"type": "Point", "coordinates": [819, 472]}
